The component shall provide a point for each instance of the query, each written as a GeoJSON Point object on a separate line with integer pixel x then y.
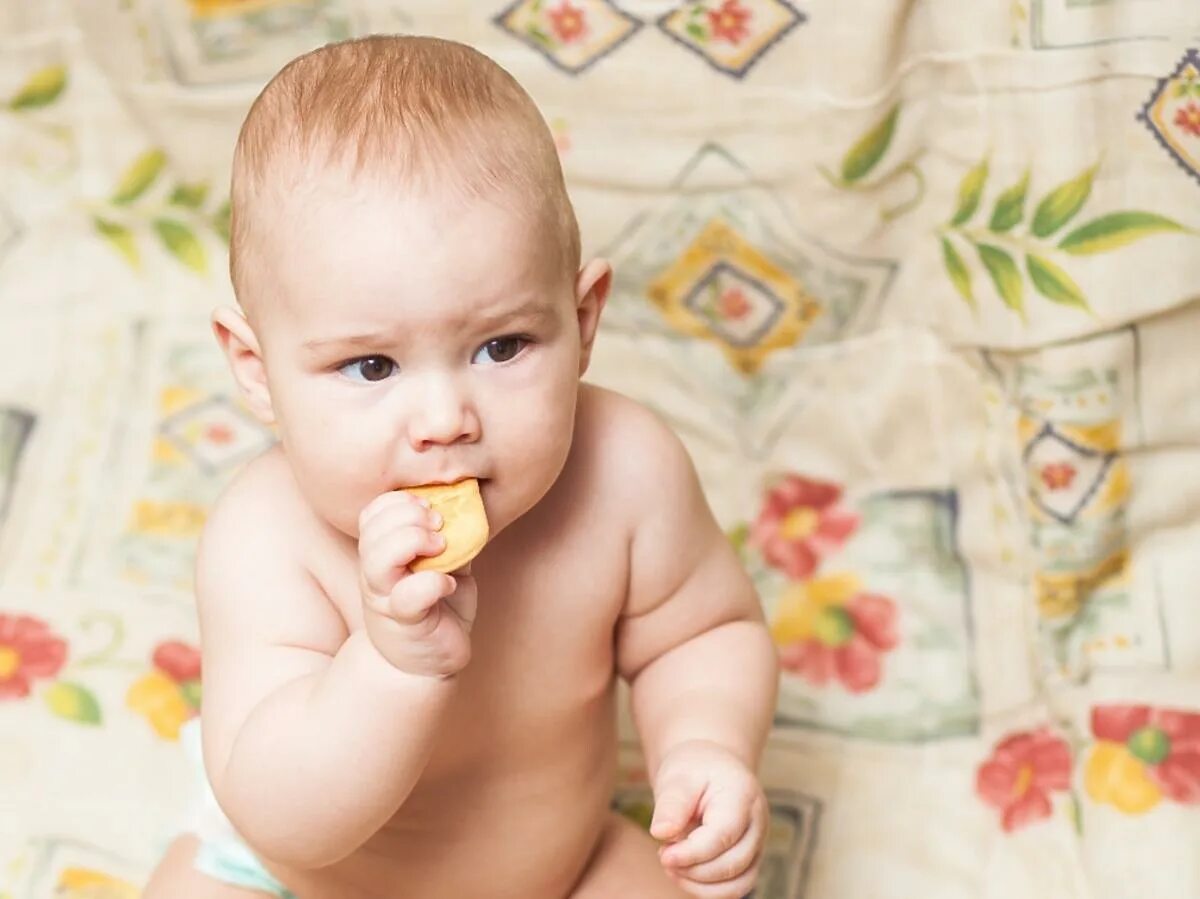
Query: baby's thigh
{"type": "Point", "coordinates": [626, 864]}
{"type": "Point", "coordinates": [177, 878]}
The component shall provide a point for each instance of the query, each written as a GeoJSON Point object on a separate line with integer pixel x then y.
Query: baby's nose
{"type": "Point", "coordinates": [443, 417]}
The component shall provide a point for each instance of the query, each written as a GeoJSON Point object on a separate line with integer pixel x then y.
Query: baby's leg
{"type": "Point", "coordinates": [626, 863]}
{"type": "Point", "coordinates": [176, 877]}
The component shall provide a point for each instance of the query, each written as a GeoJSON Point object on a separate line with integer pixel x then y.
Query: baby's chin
{"type": "Point", "coordinates": [509, 498]}
{"type": "Point", "coordinates": [500, 506]}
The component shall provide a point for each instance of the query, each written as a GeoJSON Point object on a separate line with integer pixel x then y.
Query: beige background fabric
{"type": "Point", "coordinates": [918, 283]}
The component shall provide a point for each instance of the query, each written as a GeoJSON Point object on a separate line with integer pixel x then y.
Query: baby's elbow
{"type": "Point", "coordinates": [299, 851]}
{"type": "Point", "coordinates": [301, 844]}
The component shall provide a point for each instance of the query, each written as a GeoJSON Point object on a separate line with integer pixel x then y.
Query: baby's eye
{"type": "Point", "coordinates": [368, 368]}
{"type": "Point", "coordinates": [500, 349]}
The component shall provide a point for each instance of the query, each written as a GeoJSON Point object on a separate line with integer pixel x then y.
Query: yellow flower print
{"type": "Point", "coordinates": [1115, 777]}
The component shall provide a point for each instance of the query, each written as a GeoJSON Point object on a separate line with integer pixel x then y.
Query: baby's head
{"type": "Point", "coordinates": [408, 264]}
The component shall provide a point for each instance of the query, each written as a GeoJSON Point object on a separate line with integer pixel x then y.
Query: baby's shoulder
{"type": "Point", "coordinates": [630, 450]}
{"type": "Point", "coordinates": [256, 512]}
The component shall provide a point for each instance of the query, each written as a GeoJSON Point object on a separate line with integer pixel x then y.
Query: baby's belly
{"type": "Point", "coordinates": [495, 828]}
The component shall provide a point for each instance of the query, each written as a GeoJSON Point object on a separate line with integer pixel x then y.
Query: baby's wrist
{"type": "Point", "coordinates": [391, 667]}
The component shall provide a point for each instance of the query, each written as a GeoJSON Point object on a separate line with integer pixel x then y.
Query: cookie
{"type": "Point", "coordinates": [465, 525]}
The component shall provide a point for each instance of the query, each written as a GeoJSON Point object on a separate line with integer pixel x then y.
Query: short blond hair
{"type": "Point", "coordinates": [415, 110]}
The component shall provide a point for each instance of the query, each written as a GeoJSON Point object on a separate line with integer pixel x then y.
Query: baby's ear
{"type": "Point", "coordinates": [241, 348]}
{"type": "Point", "coordinates": [591, 290]}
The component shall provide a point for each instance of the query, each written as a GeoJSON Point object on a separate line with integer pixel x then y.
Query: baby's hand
{"type": "Point", "coordinates": [705, 782]}
{"type": "Point", "coordinates": [403, 612]}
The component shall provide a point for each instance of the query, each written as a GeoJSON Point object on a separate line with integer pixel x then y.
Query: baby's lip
{"type": "Point", "coordinates": [441, 482]}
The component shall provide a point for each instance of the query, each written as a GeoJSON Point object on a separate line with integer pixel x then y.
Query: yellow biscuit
{"type": "Point", "coordinates": [465, 524]}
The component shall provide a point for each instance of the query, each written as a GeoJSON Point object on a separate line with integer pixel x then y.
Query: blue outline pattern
{"type": "Point", "coordinates": [1037, 40]}
{"type": "Point", "coordinates": [1048, 432]}
{"type": "Point", "coordinates": [23, 421]}
{"type": "Point", "coordinates": [779, 307]}
{"type": "Point", "coordinates": [1192, 57]}
{"type": "Point", "coordinates": [948, 499]}
{"type": "Point", "coordinates": [169, 429]}
{"type": "Point", "coordinates": [638, 24]}
{"type": "Point", "coordinates": [798, 18]}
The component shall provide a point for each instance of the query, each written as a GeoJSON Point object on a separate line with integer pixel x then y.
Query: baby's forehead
{"type": "Point", "coordinates": [327, 250]}
{"type": "Point", "coordinates": [301, 193]}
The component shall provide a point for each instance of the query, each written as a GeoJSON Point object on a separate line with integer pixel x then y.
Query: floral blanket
{"type": "Point", "coordinates": [917, 283]}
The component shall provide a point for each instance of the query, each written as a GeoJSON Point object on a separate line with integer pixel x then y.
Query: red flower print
{"type": "Point", "coordinates": [1142, 755]}
{"type": "Point", "coordinates": [568, 22]}
{"type": "Point", "coordinates": [728, 22]}
{"type": "Point", "coordinates": [169, 695]}
{"type": "Point", "coordinates": [1058, 475]}
{"type": "Point", "coordinates": [733, 304]}
{"type": "Point", "coordinates": [177, 660]}
{"type": "Point", "coordinates": [828, 628]}
{"type": "Point", "coordinates": [28, 650]}
{"type": "Point", "coordinates": [1024, 769]}
{"type": "Point", "coordinates": [1188, 118]}
{"type": "Point", "coordinates": [219, 434]}
{"type": "Point", "coordinates": [800, 521]}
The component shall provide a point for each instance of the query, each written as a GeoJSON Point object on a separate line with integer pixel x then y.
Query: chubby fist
{"type": "Point", "coordinates": [712, 816]}
{"type": "Point", "coordinates": [420, 622]}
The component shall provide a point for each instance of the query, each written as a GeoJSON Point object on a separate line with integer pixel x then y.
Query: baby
{"type": "Point", "coordinates": [414, 312]}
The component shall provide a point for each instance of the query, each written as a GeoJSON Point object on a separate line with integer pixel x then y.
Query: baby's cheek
{"type": "Point", "coordinates": [342, 474]}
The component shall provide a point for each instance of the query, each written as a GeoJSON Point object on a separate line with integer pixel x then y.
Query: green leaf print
{"type": "Point", "coordinates": [969, 192]}
{"type": "Point", "coordinates": [540, 36]}
{"type": "Point", "coordinates": [191, 196]}
{"type": "Point", "coordinates": [1010, 206]}
{"type": "Point", "coordinates": [1001, 255]}
{"type": "Point", "coordinates": [182, 244]}
{"type": "Point", "coordinates": [738, 535]}
{"type": "Point", "coordinates": [1060, 205]}
{"type": "Point", "coordinates": [1115, 230]}
{"type": "Point", "coordinates": [865, 154]}
{"type": "Point", "coordinates": [957, 269]}
{"type": "Point", "coordinates": [42, 88]}
{"type": "Point", "coordinates": [73, 702]}
{"type": "Point", "coordinates": [190, 689]}
{"type": "Point", "coordinates": [1053, 283]}
{"type": "Point", "coordinates": [138, 177]}
{"type": "Point", "coordinates": [121, 238]}
{"type": "Point", "coordinates": [1005, 275]}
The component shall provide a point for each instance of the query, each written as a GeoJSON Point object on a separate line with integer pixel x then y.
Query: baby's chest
{"type": "Point", "coordinates": [542, 648]}
{"type": "Point", "coordinates": [542, 656]}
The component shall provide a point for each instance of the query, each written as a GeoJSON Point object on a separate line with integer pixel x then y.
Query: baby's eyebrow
{"type": "Point", "coordinates": [348, 341]}
{"type": "Point", "coordinates": [533, 309]}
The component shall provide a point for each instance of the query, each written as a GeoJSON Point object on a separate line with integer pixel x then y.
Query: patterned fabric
{"type": "Point", "coordinates": [917, 287]}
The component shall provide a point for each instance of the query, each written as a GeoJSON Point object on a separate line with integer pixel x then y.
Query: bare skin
{"type": "Point", "coordinates": [446, 737]}
{"type": "Point", "coordinates": [623, 863]}
{"type": "Point", "coordinates": [522, 771]}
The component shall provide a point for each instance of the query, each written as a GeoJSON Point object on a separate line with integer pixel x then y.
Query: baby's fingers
{"type": "Point", "coordinates": [734, 862]}
{"type": "Point", "coordinates": [725, 820]}
{"type": "Point", "coordinates": [391, 508]}
{"type": "Point", "coordinates": [737, 888]}
{"type": "Point", "coordinates": [413, 596]}
{"type": "Point", "coordinates": [381, 560]}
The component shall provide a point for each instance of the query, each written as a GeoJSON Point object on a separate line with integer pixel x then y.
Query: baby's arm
{"type": "Point", "coordinates": [312, 739]}
{"type": "Point", "coordinates": [691, 640]}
